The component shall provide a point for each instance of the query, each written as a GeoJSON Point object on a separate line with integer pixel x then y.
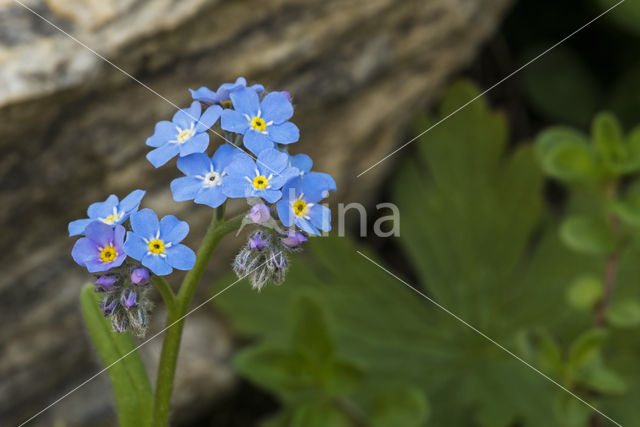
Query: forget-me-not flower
{"type": "Point", "coordinates": [263, 178]}
{"type": "Point", "coordinates": [112, 211]}
{"type": "Point", "coordinates": [304, 164]}
{"type": "Point", "coordinates": [101, 249]}
{"type": "Point", "coordinates": [262, 123]}
{"type": "Point", "coordinates": [204, 177]}
{"type": "Point", "coordinates": [157, 243]}
{"type": "Point", "coordinates": [221, 96]}
{"type": "Point", "coordinates": [185, 134]}
{"type": "Point", "coordinates": [300, 206]}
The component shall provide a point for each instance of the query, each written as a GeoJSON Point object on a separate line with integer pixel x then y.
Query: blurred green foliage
{"type": "Point", "coordinates": [477, 234]}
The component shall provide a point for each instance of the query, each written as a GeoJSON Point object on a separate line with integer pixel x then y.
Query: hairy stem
{"type": "Point", "coordinates": [165, 291]}
{"type": "Point", "coordinates": [177, 311]}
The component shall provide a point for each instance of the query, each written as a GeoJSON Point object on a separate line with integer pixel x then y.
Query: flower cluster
{"type": "Point", "coordinates": [124, 260]}
{"type": "Point", "coordinates": [253, 163]}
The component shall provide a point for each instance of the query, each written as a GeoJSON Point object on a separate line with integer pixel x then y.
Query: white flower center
{"type": "Point", "coordinates": [184, 134]}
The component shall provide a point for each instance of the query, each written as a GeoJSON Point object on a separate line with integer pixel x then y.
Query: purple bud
{"type": "Point", "coordinates": [258, 241]}
{"type": "Point", "coordinates": [128, 298]}
{"type": "Point", "coordinates": [106, 283]}
{"type": "Point", "coordinates": [107, 309]}
{"type": "Point", "coordinates": [140, 276]}
{"type": "Point", "coordinates": [259, 213]}
{"type": "Point", "coordinates": [293, 239]}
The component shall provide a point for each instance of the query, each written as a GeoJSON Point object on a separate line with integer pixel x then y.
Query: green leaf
{"type": "Point", "coordinates": [399, 406]}
{"type": "Point", "coordinates": [585, 292]}
{"type": "Point", "coordinates": [549, 354]}
{"type": "Point", "coordinates": [624, 314]}
{"type": "Point", "coordinates": [564, 154]}
{"type": "Point", "coordinates": [311, 335]}
{"type": "Point", "coordinates": [560, 86]}
{"type": "Point", "coordinates": [586, 348]}
{"type": "Point", "coordinates": [571, 412]}
{"type": "Point", "coordinates": [608, 142]}
{"type": "Point", "coordinates": [342, 378]}
{"type": "Point", "coordinates": [587, 235]}
{"type": "Point", "coordinates": [626, 15]}
{"type": "Point", "coordinates": [602, 380]}
{"type": "Point", "coordinates": [131, 386]}
{"type": "Point", "coordinates": [319, 414]}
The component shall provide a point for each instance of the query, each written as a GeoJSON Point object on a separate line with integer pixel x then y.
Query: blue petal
{"type": "Point", "coordinates": [77, 227]}
{"type": "Point", "coordinates": [162, 155]}
{"type": "Point", "coordinates": [234, 121]}
{"type": "Point", "coordinates": [198, 143]}
{"type": "Point", "coordinates": [205, 95]}
{"type": "Point", "coordinates": [185, 188]}
{"type": "Point", "coordinates": [211, 196]}
{"type": "Point", "coordinates": [314, 187]}
{"type": "Point", "coordinates": [283, 177]}
{"type": "Point", "coordinates": [306, 226]}
{"type": "Point", "coordinates": [302, 162]}
{"type": "Point", "coordinates": [156, 264]}
{"type": "Point", "coordinates": [135, 247]}
{"type": "Point", "coordinates": [183, 118]}
{"type": "Point", "coordinates": [181, 257]}
{"type": "Point", "coordinates": [245, 101]}
{"type": "Point", "coordinates": [328, 180]}
{"type": "Point", "coordinates": [172, 230]}
{"type": "Point", "coordinates": [284, 212]}
{"type": "Point", "coordinates": [118, 237]}
{"type": "Point", "coordinates": [223, 156]}
{"type": "Point", "coordinates": [270, 196]}
{"type": "Point", "coordinates": [272, 161]}
{"type": "Point", "coordinates": [285, 133]}
{"type": "Point", "coordinates": [102, 209]}
{"type": "Point", "coordinates": [236, 187]}
{"type": "Point", "coordinates": [320, 217]}
{"type": "Point", "coordinates": [258, 88]}
{"type": "Point", "coordinates": [132, 201]}
{"type": "Point", "coordinates": [208, 119]}
{"type": "Point", "coordinates": [256, 141]}
{"type": "Point", "coordinates": [145, 223]}
{"type": "Point", "coordinates": [99, 233]}
{"type": "Point", "coordinates": [164, 131]}
{"type": "Point", "coordinates": [276, 107]}
{"type": "Point", "coordinates": [194, 164]}
{"type": "Point", "coordinates": [83, 250]}
{"type": "Point", "coordinates": [242, 166]}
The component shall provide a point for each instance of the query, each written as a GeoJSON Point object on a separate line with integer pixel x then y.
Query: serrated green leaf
{"type": "Point", "coordinates": [131, 386]}
{"type": "Point", "coordinates": [588, 235]}
{"type": "Point", "coordinates": [399, 406]}
{"type": "Point", "coordinates": [586, 348]}
{"type": "Point", "coordinates": [564, 154]}
{"type": "Point", "coordinates": [585, 292]}
{"type": "Point", "coordinates": [624, 314]}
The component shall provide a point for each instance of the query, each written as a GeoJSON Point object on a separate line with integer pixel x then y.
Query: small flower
{"type": "Point", "coordinates": [262, 123]}
{"type": "Point", "coordinates": [185, 134]}
{"type": "Point", "coordinates": [157, 243]}
{"type": "Point", "coordinates": [112, 212]}
{"type": "Point", "coordinates": [101, 249]}
{"type": "Point", "coordinates": [140, 276]}
{"type": "Point", "coordinates": [258, 241]}
{"type": "Point", "coordinates": [204, 177]}
{"type": "Point", "coordinates": [128, 298]}
{"type": "Point", "coordinates": [300, 206]}
{"type": "Point", "coordinates": [105, 283]}
{"type": "Point", "coordinates": [262, 179]}
{"type": "Point", "coordinates": [259, 213]}
{"type": "Point", "coordinates": [293, 239]}
{"type": "Point", "coordinates": [221, 96]}
{"type": "Point", "coordinates": [304, 164]}
{"type": "Point", "coordinates": [108, 306]}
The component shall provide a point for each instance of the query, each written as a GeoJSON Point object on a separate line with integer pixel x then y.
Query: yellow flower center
{"type": "Point", "coordinates": [258, 124]}
{"type": "Point", "coordinates": [156, 246]}
{"type": "Point", "coordinates": [184, 135]}
{"type": "Point", "coordinates": [300, 208]}
{"type": "Point", "coordinates": [260, 182]}
{"type": "Point", "coordinates": [111, 219]}
{"type": "Point", "coordinates": [108, 254]}
{"type": "Point", "coordinates": [227, 103]}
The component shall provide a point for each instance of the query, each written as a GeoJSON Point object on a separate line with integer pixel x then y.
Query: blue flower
{"type": "Point", "coordinates": [185, 134]}
{"type": "Point", "coordinates": [204, 177]}
{"type": "Point", "coordinates": [101, 249]}
{"type": "Point", "coordinates": [304, 164]}
{"type": "Point", "coordinates": [262, 123]}
{"type": "Point", "coordinates": [111, 212]}
{"type": "Point", "coordinates": [221, 96]}
{"type": "Point", "coordinates": [157, 243]}
{"type": "Point", "coordinates": [300, 206]}
{"type": "Point", "coordinates": [263, 178]}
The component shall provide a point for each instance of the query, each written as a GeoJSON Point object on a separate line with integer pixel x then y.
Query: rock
{"type": "Point", "coordinates": [73, 129]}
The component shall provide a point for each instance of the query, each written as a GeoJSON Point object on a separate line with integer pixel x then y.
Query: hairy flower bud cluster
{"type": "Point", "coordinates": [125, 299]}
{"type": "Point", "coordinates": [263, 259]}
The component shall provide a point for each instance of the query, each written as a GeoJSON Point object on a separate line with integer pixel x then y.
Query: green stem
{"type": "Point", "coordinates": [165, 291]}
{"type": "Point", "coordinates": [177, 311]}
